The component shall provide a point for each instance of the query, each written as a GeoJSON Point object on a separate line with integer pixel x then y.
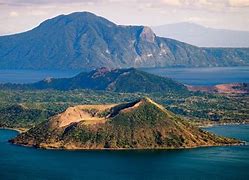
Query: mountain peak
{"type": "Point", "coordinates": [100, 72]}
{"type": "Point", "coordinates": [147, 34]}
{"type": "Point", "coordinates": [83, 13]}
{"type": "Point", "coordinates": [87, 16]}
{"type": "Point", "coordinates": [76, 20]}
{"type": "Point", "coordinates": [93, 114]}
{"type": "Point", "coordinates": [85, 41]}
{"type": "Point", "coordinates": [146, 100]}
{"type": "Point", "coordinates": [118, 80]}
{"type": "Point", "coordinates": [134, 125]}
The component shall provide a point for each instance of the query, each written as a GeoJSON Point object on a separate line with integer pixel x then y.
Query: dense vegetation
{"type": "Point", "coordinates": [118, 80]}
{"type": "Point", "coordinates": [138, 124]}
{"type": "Point", "coordinates": [20, 116]}
{"type": "Point", "coordinates": [39, 104]}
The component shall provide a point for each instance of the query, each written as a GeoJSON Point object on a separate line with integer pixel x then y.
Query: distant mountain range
{"type": "Point", "coordinates": [117, 80]}
{"type": "Point", "coordinates": [202, 36]}
{"type": "Point", "coordinates": [83, 40]}
{"type": "Point", "coordinates": [142, 124]}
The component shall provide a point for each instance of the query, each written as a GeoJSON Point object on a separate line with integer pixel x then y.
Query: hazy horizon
{"type": "Point", "coordinates": [19, 16]}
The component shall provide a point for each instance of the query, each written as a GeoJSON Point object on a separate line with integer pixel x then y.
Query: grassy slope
{"type": "Point", "coordinates": [194, 106]}
{"type": "Point", "coordinates": [142, 127]}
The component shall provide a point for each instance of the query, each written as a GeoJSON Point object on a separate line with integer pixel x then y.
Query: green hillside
{"type": "Point", "coordinates": [142, 124]}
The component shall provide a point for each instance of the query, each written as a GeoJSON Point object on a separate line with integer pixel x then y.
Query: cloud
{"type": "Point", "coordinates": [239, 3]}
{"type": "Point", "coordinates": [21, 15]}
{"type": "Point", "coordinates": [171, 3]}
{"type": "Point", "coordinates": [210, 5]}
{"type": "Point", "coordinates": [202, 4]}
{"type": "Point", "coordinates": [195, 3]}
{"type": "Point", "coordinates": [28, 2]}
{"type": "Point", "coordinates": [13, 14]}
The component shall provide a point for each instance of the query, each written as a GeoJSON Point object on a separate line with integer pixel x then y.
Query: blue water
{"type": "Point", "coordinates": [192, 76]}
{"type": "Point", "coordinates": [204, 76]}
{"type": "Point", "coordinates": [202, 163]}
{"type": "Point", "coordinates": [29, 76]}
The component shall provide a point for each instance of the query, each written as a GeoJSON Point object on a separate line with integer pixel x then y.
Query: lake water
{"type": "Point", "coordinates": [29, 76]}
{"type": "Point", "coordinates": [192, 76]}
{"type": "Point", "coordinates": [204, 76]}
{"type": "Point", "coordinates": [18, 162]}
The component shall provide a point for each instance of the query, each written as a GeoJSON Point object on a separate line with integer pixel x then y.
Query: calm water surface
{"type": "Point", "coordinates": [204, 76]}
{"type": "Point", "coordinates": [29, 76]}
{"type": "Point", "coordinates": [202, 163]}
{"type": "Point", "coordinates": [192, 76]}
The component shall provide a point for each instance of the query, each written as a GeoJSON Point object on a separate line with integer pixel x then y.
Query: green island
{"type": "Point", "coordinates": [141, 124]}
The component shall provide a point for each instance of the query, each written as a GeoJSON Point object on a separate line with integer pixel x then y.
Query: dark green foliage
{"type": "Point", "coordinates": [39, 105]}
{"type": "Point", "coordinates": [49, 102]}
{"type": "Point", "coordinates": [129, 129]}
{"type": "Point", "coordinates": [18, 116]}
{"type": "Point", "coordinates": [139, 124]}
{"type": "Point", "coordinates": [118, 80]}
{"type": "Point", "coordinates": [147, 112]}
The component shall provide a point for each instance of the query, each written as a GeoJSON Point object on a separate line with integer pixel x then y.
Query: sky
{"type": "Point", "coordinates": [22, 15]}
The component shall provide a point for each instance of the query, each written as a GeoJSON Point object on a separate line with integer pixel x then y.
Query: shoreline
{"type": "Point", "coordinates": [19, 130]}
{"type": "Point", "coordinates": [221, 124]}
{"type": "Point", "coordinates": [22, 130]}
{"type": "Point", "coordinates": [242, 143]}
